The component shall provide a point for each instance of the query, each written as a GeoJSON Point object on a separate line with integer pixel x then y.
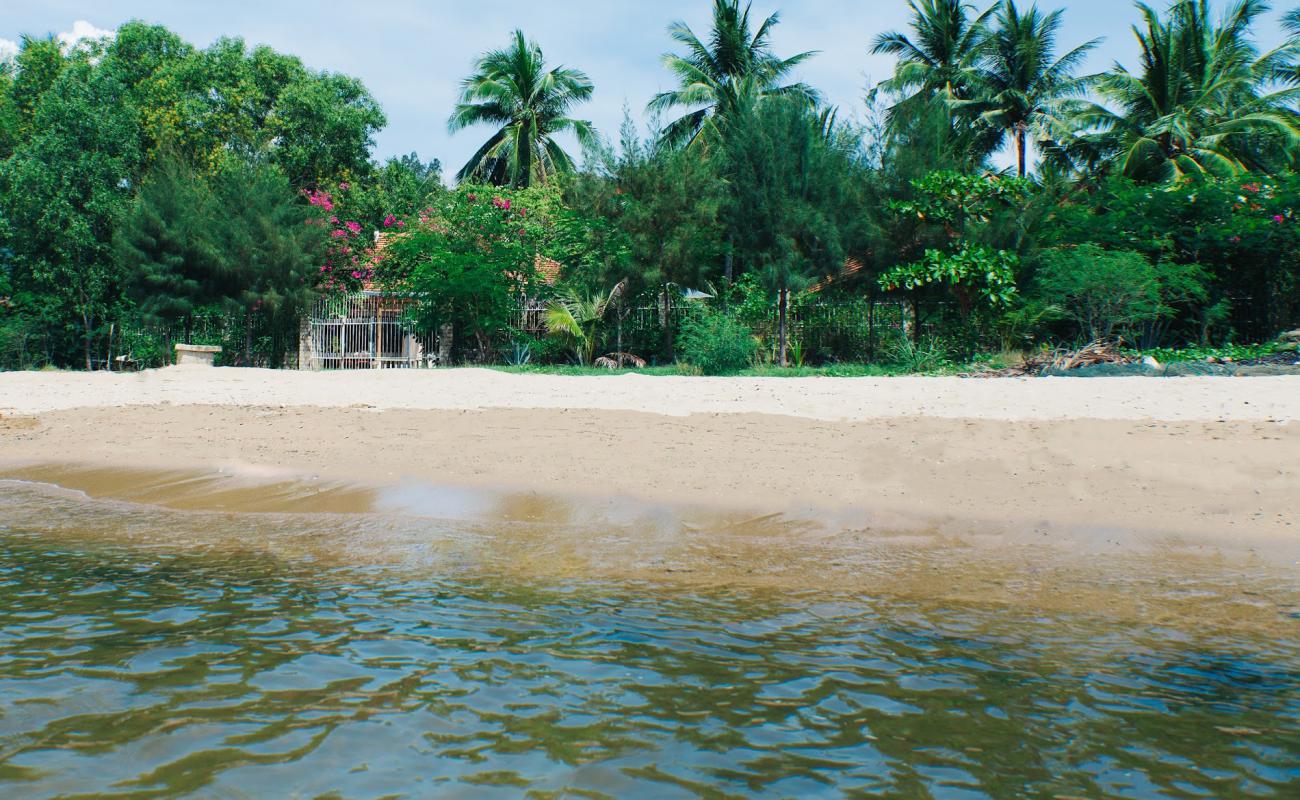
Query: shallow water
{"type": "Point", "coordinates": [137, 671]}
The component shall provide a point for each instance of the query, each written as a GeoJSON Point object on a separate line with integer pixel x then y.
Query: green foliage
{"type": "Point", "coordinates": [1109, 292]}
{"type": "Point", "coordinates": [513, 89]}
{"type": "Point", "coordinates": [168, 244]}
{"type": "Point", "coordinates": [958, 201]}
{"type": "Point", "coordinates": [725, 77]}
{"type": "Point", "coordinates": [927, 354]}
{"type": "Point", "coordinates": [1243, 232]}
{"type": "Point", "coordinates": [1228, 352]}
{"type": "Point", "coordinates": [467, 262]}
{"type": "Point", "coordinates": [62, 191]}
{"type": "Point", "coordinates": [795, 202]}
{"type": "Point", "coordinates": [989, 275]}
{"type": "Point", "coordinates": [1201, 102]}
{"type": "Point", "coordinates": [577, 320]}
{"type": "Point", "coordinates": [717, 343]}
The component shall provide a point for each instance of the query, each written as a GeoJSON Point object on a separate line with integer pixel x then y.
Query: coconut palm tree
{"type": "Point", "coordinates": [513, 89]}
{"type": "Point", "coordinates": [1020, 81]}
{"type": "Point", "coordinates": [576, 319]}
{"type": "Point", "coordinates": [734, 68]}
{"type": "Point", "coordinates": [1202, 101]}
{"type": "Point", "coordinates": [942, 55]}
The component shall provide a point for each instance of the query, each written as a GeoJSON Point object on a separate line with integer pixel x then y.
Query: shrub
{"type": "Point", "coordinates": [1104, 291]}
{"type": "Point", "coordinates": [929, 354]}
{"type": "Point", "coordinates": [717, 343]}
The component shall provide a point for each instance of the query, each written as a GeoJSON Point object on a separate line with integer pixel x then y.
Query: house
{"type": "Point", "coordinates": [370, 329]}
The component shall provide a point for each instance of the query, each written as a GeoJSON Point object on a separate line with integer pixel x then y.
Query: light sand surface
{"type": "Point", "coordinates": [1195, 460]}
{"type": "Point", "coordinates": [1169, 399]}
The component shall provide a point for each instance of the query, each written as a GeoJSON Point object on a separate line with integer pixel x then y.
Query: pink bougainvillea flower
{"type": "Point", "coordinates": [1278, 218]}
{"type": "Point", "coordinates": [401, 224]}
{"type": "Point", "coordinates": [355, 227]}
{"type": "Point", "coordinates": [343, 187]}
{"type": "Point", "coordinates": [390, 221]}
{"type": "Point", "coordinates": [338, 233]}
{"type": "Point", "coordinates": [473, 198]}
{"type": "Point", "coordinates": [334, 220]}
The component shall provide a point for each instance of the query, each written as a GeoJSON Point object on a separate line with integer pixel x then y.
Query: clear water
{"type": "Point", "coordinates": [129, 671]}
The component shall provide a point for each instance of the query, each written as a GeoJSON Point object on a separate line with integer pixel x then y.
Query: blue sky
{"type": "Point", "coordinates": [412, 54]}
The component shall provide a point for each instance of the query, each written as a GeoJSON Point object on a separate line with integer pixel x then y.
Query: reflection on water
{"type": "Point", "coordinates": [139, 672]}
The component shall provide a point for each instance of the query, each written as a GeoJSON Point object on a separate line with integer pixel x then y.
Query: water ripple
{"type": "Point", "coordinates": [128, 672]}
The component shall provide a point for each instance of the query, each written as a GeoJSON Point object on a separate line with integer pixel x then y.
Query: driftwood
{"type": "Point", "coordinates": [1060, 360]}
{"type": "Point", "coordinates": [1090, 355]}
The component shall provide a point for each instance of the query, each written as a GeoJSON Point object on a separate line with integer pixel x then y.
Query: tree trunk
{"type": "Point", "coordinates": [248, 339]}
{"type": "Point", "coordinates": [1020, 150]}
{"type": "Point", "coordinates": [782, 301]}
{"type": "Point", "coordinates": [728, 262]}
{"type": "Point", "coordinates": [87, 327]}
{"type": "Point", "coordinates": [668, 324]}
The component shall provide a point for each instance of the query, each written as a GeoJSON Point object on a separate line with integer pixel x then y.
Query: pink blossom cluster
{"type": "Point", "coordinates": [320, 199]}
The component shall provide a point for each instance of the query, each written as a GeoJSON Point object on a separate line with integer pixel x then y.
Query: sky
{"type": "Point", "coordinates": [412, 55]}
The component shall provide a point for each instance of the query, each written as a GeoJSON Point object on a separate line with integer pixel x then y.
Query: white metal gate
{"type": "Point", "coordinates": [363, 331]}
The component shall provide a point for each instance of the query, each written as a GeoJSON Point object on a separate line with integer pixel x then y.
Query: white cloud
{"type": "Point", "coordinates": [8, 49]}
{"type": "Point", "coordinates": [82, 31]}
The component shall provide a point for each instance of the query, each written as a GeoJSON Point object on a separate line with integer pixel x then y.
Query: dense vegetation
{"type": "Point", "coordinates": [152, 192]}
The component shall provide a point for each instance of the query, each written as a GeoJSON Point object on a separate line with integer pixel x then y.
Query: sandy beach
{"type": "Point", "coordinates": [1167, 500]}
{"type": "Point", "coordinates": [1206, 459]}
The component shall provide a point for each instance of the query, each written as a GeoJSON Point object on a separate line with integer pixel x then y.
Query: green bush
{"type": "Point", "coordinates": [716, 343]}
{"type": "Point", "coordinates": [1104, 291]}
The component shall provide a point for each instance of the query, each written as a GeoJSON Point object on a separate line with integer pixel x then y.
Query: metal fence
{"type": "Point", "coordinates": [364, 331]}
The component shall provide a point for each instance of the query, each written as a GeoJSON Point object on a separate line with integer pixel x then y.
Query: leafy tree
{"type": "Point", "coordinates": [63, 189]}
{"type": "Point", "coordinates": [399, 188]}
{"type": "Point", "coordinates": [513, 89]}
{"type": "Point", "coordinates": [719, 79]}
{"type": "Point", "coordinates": [269, 245]}
{"type": "Point", "coordinates": [467, 262]}
{"type": "Point", "coordinates": [1020, 81]}
{"type": "Point", "coordinates": [667, 205]}
{"type": "Point", "coordinates": [1243, 231]}
{"type": "Point", "coordinates": [37, 67]}
{"type": "Point", "coordinates": [971, 272]}
{"type": "Point", "coordinates": [793, 200]}
{"type": "Point", "coordinates": [322, 128]}
{"type": "Point", "coordinates": [1103, 291]}
{"type": "Point", "coordinates": [169, 246]}
{"type": "Point", "coordinates": [1200, 101]}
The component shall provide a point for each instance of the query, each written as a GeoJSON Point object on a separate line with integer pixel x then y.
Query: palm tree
{"type": "Point", "coordinates": [734, 68]}
{"type": "Point", "coordinates": [1020, 81]}
{"type": "Point", "coordinates": [576, 319]}
{"type": "Point", "coordinates": [1203, 100]}
{"type": "Point", "coordinates": [512, 89]}
{"type": "Point", "coordinates": [944, 55]}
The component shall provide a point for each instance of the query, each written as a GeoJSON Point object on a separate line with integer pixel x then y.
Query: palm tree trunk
{"type": "Point", "coordinates": [1020, 150]}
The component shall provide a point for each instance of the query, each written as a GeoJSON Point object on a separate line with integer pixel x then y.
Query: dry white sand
{"type": "Point", "coordinates": [1168, 399]}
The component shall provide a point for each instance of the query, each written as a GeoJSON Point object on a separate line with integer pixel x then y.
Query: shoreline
{"type": "Point", "coordinates": [1034, 499]}
{"type": "Point", "coordinates": [1032, 467]}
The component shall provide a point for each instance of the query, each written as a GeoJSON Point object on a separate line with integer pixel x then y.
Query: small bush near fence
{"type": "Point", "coordinates": [717, 343]}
